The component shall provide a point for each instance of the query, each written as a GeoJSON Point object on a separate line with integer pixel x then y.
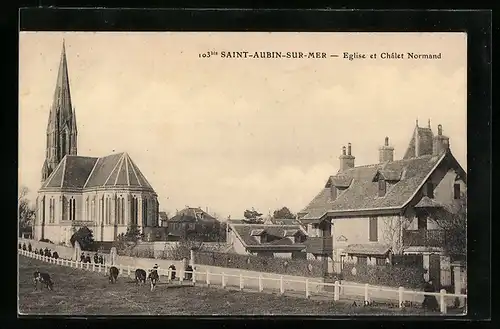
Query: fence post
{"type": "Point", "coordinates": [400, 296]}
{"type": "Point", "coordinates": [442, 302]}
{"type": "Point", "coordinates": [194, 276]}
{"type": "Point", "coordinates": [223, 280]}
{"type": "Point", "coordinates": [336, 289]}
{"type": "Point", "coordinates": [261, 288]}
{"type": "Point", "coordinates": [93, 267]}
{"type": "Point", "coordinates": [208, 277]}
{"type": "Point", "coordinates": [241, 281]}
{"type": "Point", "coordinates": [307, 288]}
{"type": "Point", "coordinates": [282, 287]}
{"type": "Point", "coordinates": [88, 266]}
{"type": "Point", "coordinates": [128, 270]}
{"type": "Point", "coordinates": [367, 297]}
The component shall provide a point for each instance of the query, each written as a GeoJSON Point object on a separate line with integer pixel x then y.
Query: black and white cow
{"type": "Point", "coordinates": [140, 276]}
{"type": "Point", "coordinates": [44, 279]}
{"type": "Point", "coordinates": [153, 278]}
{"type": "Point", "coordinates": [113, 274]}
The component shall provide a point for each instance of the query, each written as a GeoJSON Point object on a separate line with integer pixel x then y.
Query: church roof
{"type": "Point", "coordinates": [115, 170]}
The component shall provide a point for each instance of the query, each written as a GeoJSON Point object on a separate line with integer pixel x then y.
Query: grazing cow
{"type": "Point", "coordinates": [44, 279]}
{"type": "Point", "coordinates": [153, 277]}
{"type": "Point", "coordinates": [113, 274]}
{"type": "Point", "coordinates": [140, 276]}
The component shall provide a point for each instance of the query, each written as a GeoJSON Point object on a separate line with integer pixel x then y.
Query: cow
{"type": "Point", "coordinates": [140, 276]}
{"type": "Point", "coordinates": [113, 274]}
{"type": "Point", "coordinates": [153, 278]}
{"type": "Point", "coordinates": [44, 279]}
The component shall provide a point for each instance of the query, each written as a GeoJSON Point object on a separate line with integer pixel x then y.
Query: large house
{"type": "Point", "coordinates": [284, 241]}
{"type": "Point", "coordinates": [105, 194]}
{"type": "Point", "coordinates": [364, 214]}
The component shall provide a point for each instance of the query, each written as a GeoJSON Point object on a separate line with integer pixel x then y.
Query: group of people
{"type": "Point", "coordinates": [98, 259]}
{"type": "Point", "coordinates": [44, 252]}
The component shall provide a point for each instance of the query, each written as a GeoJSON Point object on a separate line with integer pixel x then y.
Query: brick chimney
{"type": "Point", "coordinates": [440, 143]}
{"type": "Point", "coordinates": [346, 160]}
{"type": "Point", "coordinates": [386, 152]}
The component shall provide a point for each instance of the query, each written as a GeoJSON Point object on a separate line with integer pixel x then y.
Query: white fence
{"type": "Point", "coordinates": [197, 276]}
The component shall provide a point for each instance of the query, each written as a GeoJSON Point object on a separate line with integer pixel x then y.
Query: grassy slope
{"type": "Point", "coordinates": [78, 292]}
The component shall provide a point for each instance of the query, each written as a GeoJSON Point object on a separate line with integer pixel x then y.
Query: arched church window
{"type": "Point", "coordinates": [108, 210]}
{"type": "Point", "coordinates": [87, 213]}
{"type": "Point", "coordinates": [92, 211]}
{"type": "Point", "coordinates": [122, 211]}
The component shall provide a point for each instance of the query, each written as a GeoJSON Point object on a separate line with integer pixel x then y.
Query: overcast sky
{"type": "Point", "coordinates": [231, 134]}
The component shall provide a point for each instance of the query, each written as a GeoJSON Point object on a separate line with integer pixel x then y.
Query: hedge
{"type": "Point", "coordinates": [387, 275]}
{"type": "Point", "coordinates": [297, 267]}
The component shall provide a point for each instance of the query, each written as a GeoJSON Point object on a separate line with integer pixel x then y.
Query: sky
{"type": "Point", "coordinates": [231, 134]}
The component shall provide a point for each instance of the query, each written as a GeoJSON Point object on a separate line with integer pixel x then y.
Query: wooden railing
{"type": "Point", "coordinates": [208, 278]}
{"type": "Point", "coordinates": [424, 238]}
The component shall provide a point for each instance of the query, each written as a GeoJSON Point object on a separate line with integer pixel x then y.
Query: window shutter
{"type": "Point", "coordinates": [456, 191]}
{"type": "Point", "coordinates": [373, 229]}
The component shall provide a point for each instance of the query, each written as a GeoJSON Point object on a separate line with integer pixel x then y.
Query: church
{"type": "Point", "coordinates": [106, 194]}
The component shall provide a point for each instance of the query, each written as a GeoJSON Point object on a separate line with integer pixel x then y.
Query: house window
{"type": "Point", "coordinates": [373, 229]}
{"type": "Point", "coordinates": [456, 191]}
{"type": "Point", "coordinates": [429, 190]}
{"type": "Point", "coordinates": [333, 192]}
{"type": "Point", "coordinates": [380, 261]}
{"type": "Point", "coordinates": [422, 222]}
{"type": "Point", "coordinates": [381, 187]}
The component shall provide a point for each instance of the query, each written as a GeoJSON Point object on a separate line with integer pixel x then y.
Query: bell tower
{"type": "Point", "coordinates": [61, 127]}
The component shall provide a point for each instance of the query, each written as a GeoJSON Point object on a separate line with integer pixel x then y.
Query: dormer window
{"type": "Point", "coordinates": [333, 193]}
{"type": "Point", "coordinates": [382, 186]}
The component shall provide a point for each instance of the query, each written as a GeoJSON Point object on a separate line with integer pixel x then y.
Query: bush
{"type": "Point", "coordinates": [46, 240]}
{"type": "Point", "coordinates": [298, 267]}
{"type": "Point", "coordinates": [85, 238]}
{"type": "Point", "coordinates": [394, 276]}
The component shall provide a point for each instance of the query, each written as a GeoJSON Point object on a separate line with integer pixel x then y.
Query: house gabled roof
{"type": "Point", "coordinates": [247, 233]}
{"type": "Point", "coordinates": [80, 172]}
{"type": "Point", "coordinates": [362, 194]}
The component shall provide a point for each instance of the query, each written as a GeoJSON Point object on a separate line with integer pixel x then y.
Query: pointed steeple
{"type": "Point", "coordinates": [61, 127]}
{"type": "Point", "coordinates": [62, 95]}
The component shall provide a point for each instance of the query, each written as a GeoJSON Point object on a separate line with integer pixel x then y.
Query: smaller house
{"type": "Point", "coordinates": [284, 241]}
{"type": "Point", "coordinates": [191, 222]}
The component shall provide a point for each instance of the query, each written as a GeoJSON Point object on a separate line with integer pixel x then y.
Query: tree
{"type": "Point", "coordinates": [252, 216]}
{"type": "Point", "coordinates": [454, 224]}
{"type": "Point", "coordinates": [85, 238]}
{"type": "Point", "coordinates": [283, 213]}
{"type": "Point", "coordinates": [26, 213]}
{"type": "Point", "coordinates": [391, 234]}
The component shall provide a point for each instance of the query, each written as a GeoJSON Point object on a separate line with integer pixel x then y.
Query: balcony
{"type": "Point", "coordinates": [319, 245]}
{"type": "Point", "coordinates": [423, 238]}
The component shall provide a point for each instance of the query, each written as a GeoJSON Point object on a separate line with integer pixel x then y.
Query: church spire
{"type": "Point", "coordinates": [61, 128]}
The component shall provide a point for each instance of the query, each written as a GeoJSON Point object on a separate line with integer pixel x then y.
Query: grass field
{"type": "Point", "coordinates": [78, 292]}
